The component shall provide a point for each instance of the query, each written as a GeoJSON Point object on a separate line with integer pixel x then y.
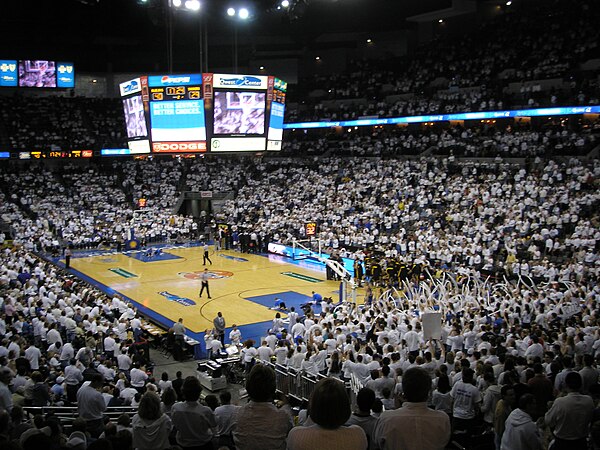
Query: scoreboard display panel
{"type": "Point", "coordinates": [135, 105]}
{"type": "Point", "coordinates": [247, 112]}
{"type": "Point", "coordinates": [182, 113]}
{"type": "Point", "coordinates": [35, 73]}
{"type": "Point", "coordinates": [177, 113]}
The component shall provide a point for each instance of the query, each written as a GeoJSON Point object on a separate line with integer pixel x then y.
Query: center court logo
{"type": "Point", "coordinates": [212, 274]}
{"type": "Point", "coordinates": [177, 299]}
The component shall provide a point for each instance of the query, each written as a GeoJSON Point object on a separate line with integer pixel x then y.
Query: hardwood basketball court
{"type": "Point", "coordinates": [242, 286]}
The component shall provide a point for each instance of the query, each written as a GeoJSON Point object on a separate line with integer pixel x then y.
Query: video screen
{"type": "Point", "coordinates": [134, 117]}
{"type": "Point", "coordinates": [239, 113]}
{"type": "Point", "coordinates": [177, 121]}
{"type": "Point", "coordinates": [37, 73]}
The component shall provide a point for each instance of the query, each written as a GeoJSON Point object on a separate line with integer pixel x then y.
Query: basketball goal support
{"type": "Point", "coordinates": [347, 280]}
{"type": "Point", "coordinates": [302, 249]}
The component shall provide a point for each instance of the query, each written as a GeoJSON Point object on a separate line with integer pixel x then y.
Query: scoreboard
{"type": "Point", "coordinates": [184, 113]}
{"type": "Point", "coordinates": [158, 94]}
{"type": "Point", "coordinates": [176, 113]}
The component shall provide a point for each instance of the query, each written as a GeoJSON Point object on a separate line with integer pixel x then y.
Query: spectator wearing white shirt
{"type": "Point", "coordinates": [138, 377]}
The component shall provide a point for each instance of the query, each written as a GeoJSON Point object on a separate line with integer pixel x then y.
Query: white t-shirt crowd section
{"type": "Point", "coordinates": [86, 206]}
{"type": "Point", "coordinates": [458, 141]}
{"type": "Point", "coordinates": [427, 211]}
{"type": "Point", "coordinates": [430, 209]}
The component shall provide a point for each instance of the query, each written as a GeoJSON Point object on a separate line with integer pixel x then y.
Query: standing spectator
{"type": "Point", "coordinates": [219, 324]}
{"type": "Point", "coordinates": [329, 409]}
{"type": "Point", "coordinates": [363, 418]}
{"type": "Point", "coordinates": [73, 378]}
{"type": "Point", "coordinates": [541, 388]}
{"type": "Point", "coordinates": [179, 332]}
{"type": "Point", "coordinates": [40, 393]}
{"type": "Point", "coordinates": [91, 405]}
{"type": "Point", "coordinates": [589, 374]}
{"type": "Point", "coordinates": [109, 345]}
{"type": "Point", "coordinates": [413, 426]}
{"type": "Point", "coordinates": [194, 422]}
{"type": "Point", "coordinates": [164, 382]}
{"type": "Point", "coordinates": [260, 424]}
{"type": "Point", "coordinates": [124, 363]}
{"type": "Point", "coordinates": [6, 401]}
{"type": "Point", "coordinates": [570, 416]}
{"type": "Point", "coordinates": [521, 432]}
{"type": "Point", "coordinates": [138, 377]}
{"type": "Point", "coordinates": [503, 409]}
{"type": "Point", "coordinates": [33, 354]}
{"type": "Point", "coordinates": [225, 416]}
{"type": "Point", "coordinates": [467, 399]}
{"type": "Point", "coordinates": [151, 427]}
{"type": "Point", "coordinates": [235, 336]}
{"type": "Point", "coordinates": [177, 384]}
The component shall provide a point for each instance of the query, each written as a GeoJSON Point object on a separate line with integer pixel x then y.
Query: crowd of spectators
{"type": "Point", "coordinates": [516, 362]}
{"type": "Point", "coordinates": [67, 343]}
{"type": "Point", "coordinates": [476, 72]}
{"type": "Point", "coordinates": [92, 206]}
{"type": "Point", "coordinates": [62, 123]}
{"type": "Point", "coordinates": [469, 73]}
{"type": "Point", "coordinates": [559, 138]}
{"type": "Point", "coordinates": [477, 214]}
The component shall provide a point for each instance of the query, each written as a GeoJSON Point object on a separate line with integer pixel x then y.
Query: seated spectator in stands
{"type": "Point", "coordinates": [260, 424]}
{"type": "Point", "coordinates": [194, 422]}
{"type": "Point", "coordinates": [151, 427]}
{"type": "Point", "coordinates": [404, 427]}
{"type": "Point", "coordinates": [329, 409]}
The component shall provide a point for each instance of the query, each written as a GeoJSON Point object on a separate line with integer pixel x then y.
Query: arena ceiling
{"type": "Point", "coordinates": [124, 35]}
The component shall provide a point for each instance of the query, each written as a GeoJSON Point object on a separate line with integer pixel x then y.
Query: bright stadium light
{"type": "Point", "coordinates": [285, 3]}
{"type": "Point", "coordinates": [231, 12]}
{"type": "Point", "coordinates": [508, 3]}
{"type": "Point", "coordinates": [192, 5]}
{"type": "Point", "coordinates": [176, 3]}
{"type": "Point", "coordinates": [244, 14]}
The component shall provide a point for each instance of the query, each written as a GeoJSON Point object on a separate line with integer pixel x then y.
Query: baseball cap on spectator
{"type": "Point", "coordinates": [77, 440]}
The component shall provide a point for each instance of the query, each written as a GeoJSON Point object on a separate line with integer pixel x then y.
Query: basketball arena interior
{"type": "Point", "coordinates": [267, 224]}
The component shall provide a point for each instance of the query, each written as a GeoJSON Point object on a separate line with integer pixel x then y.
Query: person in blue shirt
{"type": "Point", "coordinates": [316, 298]}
